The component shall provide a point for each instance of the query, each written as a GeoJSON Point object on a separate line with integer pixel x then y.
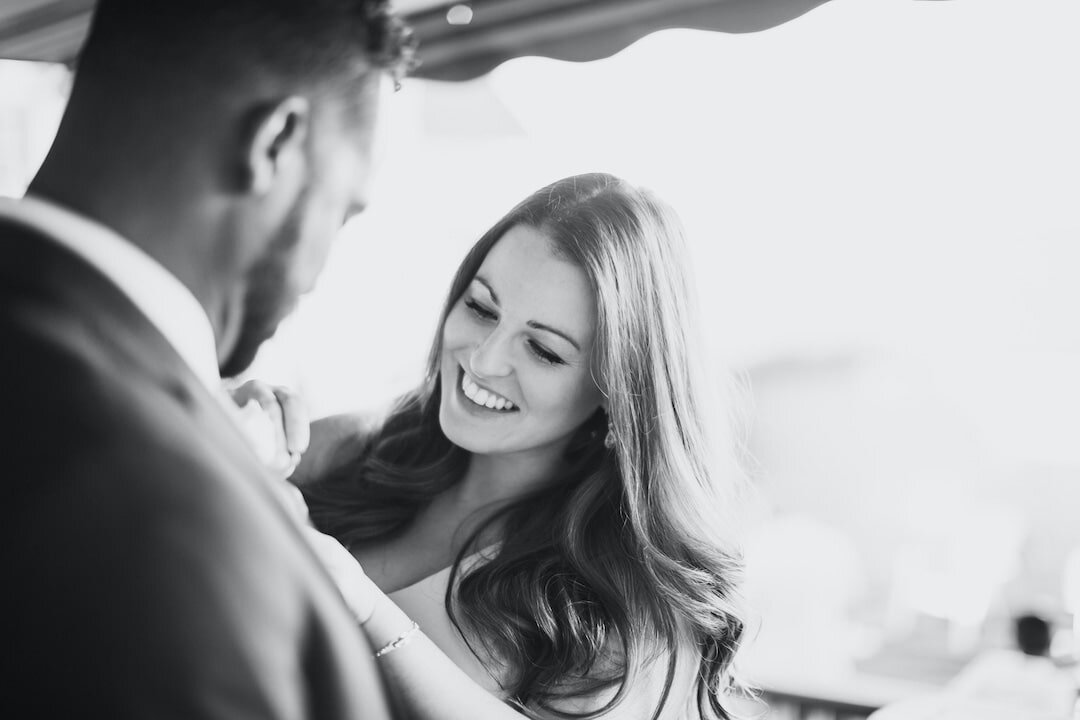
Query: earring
{"type": "Point", "coordinates": [609, 440]}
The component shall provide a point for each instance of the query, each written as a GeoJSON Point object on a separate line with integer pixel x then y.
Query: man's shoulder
{"type": "Point", "coordinates": [82, 420]}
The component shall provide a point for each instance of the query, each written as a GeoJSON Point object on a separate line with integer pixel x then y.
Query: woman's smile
{"type": "Point", "coordinates": [480, 398]}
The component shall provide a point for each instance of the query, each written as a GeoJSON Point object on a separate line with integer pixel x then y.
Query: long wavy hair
{"type": "Point", "coordinates": [626, 556]}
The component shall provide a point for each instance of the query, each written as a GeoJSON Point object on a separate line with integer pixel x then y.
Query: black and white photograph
{"type": "Point", "coordinates": [540, 359]}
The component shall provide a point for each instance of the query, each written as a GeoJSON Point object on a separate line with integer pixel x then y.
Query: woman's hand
{"type": "Point", "coordinates": [277, 423]}
{"type": "Point", "coordinates": [356, 587]}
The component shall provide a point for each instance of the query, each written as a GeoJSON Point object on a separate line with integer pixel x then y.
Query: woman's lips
{"type": "Point", "coordinates": [481, 398]}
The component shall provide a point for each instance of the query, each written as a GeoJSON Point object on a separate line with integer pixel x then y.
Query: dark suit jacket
{"type": "Point", "coordinates": [146, 569]}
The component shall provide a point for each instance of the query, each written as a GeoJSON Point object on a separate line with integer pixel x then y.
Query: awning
{"type": "Point", "coordinates": [458, 40]}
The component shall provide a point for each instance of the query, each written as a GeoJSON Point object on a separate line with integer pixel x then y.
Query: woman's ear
{"type": "Point", "coordinates": [275, 148]}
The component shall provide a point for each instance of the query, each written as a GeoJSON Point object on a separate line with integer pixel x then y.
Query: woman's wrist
{"type": "Point", "coordinates": [387, 623]}
{"type": "Point", "coordinates": [400, 641]}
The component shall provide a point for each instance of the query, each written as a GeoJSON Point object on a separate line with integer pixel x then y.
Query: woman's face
{"type": "Point", "coordinates": [516, 350]}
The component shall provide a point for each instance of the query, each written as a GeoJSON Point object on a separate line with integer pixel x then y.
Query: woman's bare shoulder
{"type": "Point", "coordinates": [335, 439]}
{"type": "Point", "coordinates": [334, 428]}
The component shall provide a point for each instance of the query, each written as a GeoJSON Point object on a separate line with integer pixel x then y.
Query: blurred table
{"type": "Point", "coordinates": [849, 695]}
{"type": "Point", "coordinates": [944, 707]}
{"type": "Point", "coordinates": [890, 677]}
{"type": "Point", "coordinates": [997, 685]}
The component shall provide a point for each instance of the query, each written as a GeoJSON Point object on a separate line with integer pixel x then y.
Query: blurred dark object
{"type": "Point", "coordinates": [450, 48]}
{"type": "Point", "coordinates": [1033, 635]}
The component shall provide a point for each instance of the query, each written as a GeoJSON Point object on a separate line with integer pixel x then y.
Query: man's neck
{"type": "Point", "coordinates": [176, 233]}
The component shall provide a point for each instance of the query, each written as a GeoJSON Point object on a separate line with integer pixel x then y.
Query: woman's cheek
{"type": "Point", "coordinates": [453, 331]}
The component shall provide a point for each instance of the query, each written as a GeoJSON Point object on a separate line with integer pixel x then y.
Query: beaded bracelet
{"type": "Point", "coordinates": [400, 640]}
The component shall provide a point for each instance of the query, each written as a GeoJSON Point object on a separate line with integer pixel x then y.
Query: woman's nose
{"type": "Point", "coordinates": [491, 356]}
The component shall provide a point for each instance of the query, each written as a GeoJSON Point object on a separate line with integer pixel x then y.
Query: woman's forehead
{"type": "Point", "coordinates": [525, 273]}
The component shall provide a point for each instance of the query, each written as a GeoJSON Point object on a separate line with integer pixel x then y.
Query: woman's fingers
{"type": "Point", "coordinates": [295, 420]}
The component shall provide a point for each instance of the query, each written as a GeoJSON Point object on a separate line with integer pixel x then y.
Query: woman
{"type": "Point", "coordinates": [549, 503]}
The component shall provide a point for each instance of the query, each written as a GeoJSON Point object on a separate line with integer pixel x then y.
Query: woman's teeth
{"type": "Point", "coordinates": [481, 396]}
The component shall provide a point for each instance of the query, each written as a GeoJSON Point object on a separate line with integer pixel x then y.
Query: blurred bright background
{"type": "Point", "coordinates": [882, 200]}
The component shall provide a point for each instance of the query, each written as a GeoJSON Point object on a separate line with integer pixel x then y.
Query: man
{"type": "Point", "coordinates": [209, 152]}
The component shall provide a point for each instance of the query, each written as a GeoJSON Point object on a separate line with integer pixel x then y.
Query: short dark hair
{"type": "Point", "coordinates": [208, 44]}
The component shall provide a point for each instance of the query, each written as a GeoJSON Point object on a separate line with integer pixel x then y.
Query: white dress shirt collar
{"type": "Point", "coordinates": [165, 301]}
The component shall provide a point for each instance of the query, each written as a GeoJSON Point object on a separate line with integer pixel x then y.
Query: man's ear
{"type": "Point", "coordinates": [276, 143]}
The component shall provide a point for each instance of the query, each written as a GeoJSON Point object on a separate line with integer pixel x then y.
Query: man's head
{"type": "Point", "coordinates": [230, 139]}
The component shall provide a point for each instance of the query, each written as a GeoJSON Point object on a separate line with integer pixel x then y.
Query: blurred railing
{"type": "Point", "coordinates": [786, 706]}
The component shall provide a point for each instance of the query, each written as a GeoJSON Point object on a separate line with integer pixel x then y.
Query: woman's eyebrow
{"type": "Point", "coordinates": [547, 328]}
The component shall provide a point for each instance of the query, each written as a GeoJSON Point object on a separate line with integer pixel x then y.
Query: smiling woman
{"type": "Point", "coordinates": [555, 479]}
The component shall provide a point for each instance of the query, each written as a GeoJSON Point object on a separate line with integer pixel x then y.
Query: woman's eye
{"type": "Point", "coordinates": [544, 354]}
{"type": "Point", "coordinates": [479, 310]}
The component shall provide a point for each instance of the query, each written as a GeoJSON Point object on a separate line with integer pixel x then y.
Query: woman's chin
{"type": "Point", "coordinates": [467, 441]}
{"type": "Point", "coordinates": [451, 428]}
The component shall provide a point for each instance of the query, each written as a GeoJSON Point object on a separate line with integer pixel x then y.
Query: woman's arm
{"type": "Point", "coordinates": [428, 684]}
